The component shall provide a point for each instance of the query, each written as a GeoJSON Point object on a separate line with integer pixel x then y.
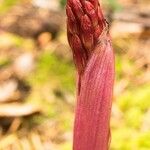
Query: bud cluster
{"type": "Point", "coordinates": [85, 24]}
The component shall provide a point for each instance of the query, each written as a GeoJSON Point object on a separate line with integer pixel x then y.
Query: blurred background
{"type": "Point", "coordinates": [37, 75]}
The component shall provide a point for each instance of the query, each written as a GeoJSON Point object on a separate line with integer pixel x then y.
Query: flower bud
{"type": "Point", "coordinates": [71, 21]}
{"type": "Point", "coordinates": [78, 53]}
{"type": "Point", "coordinates": [92, 13]}
{"type": "Point", "coordinates": [87, 32]}
{"type": "Point", "coordinates": [77, 7]}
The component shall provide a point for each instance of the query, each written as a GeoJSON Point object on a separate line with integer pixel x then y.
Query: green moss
{"type": "Point", "coordinates": [118, 66]}
{"type": "Point", "coordinates": [143, 141]}
{"type": "Point", "coordinates": [4, 62]}
{"type": "Point", "coordinates": [134, 103]}
{"type": "Point", "coordinates": [54, 70]}
{"type": "Point", "coordinates": [121, 139]}
{"type": "Point", "coordinates": [62, 2]}
{"type": "Point", "coordinates": [128, 139]}
{"type": "Point", "coordinates": [66, 146]}
{"type": "Point", "coordinates": [66, 121]}
{"type": "Point", "coordinates": [138, 97]}
{"type": "Point", "coordinates": [124, 67]}
{"type": "Point", "coordinates": [7, 4]}
{"type": "Point", "coordinates": [114, 5]}
{"type": "Point", "coordinates": [133, 117]}
{"type": "Point", "coordinates": [12, 40]}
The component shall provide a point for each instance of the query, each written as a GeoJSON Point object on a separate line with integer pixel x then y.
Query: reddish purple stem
{"type": "Point", "coordinates": [93, 56]}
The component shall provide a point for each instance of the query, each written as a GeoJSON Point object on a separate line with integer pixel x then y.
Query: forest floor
{"type": "Point", "coordinates": [37, 77]}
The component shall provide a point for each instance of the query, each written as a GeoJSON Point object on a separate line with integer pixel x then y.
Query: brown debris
{"type": "Point", "coordinates": [29, 21]}
{"type": "Point", "coordinates": [18, 110]}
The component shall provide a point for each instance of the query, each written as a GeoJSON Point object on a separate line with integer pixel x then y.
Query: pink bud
{"type": "Point", "coordinates": [77, 8]}
{"type": "Point", "coordinates": [78, 53]}
{"type": "Point", "coordinates": [87, 33]}
{"type": "Point", "coordinates": [91, 12]}
{"type": "Point", "coordinates": [97, 32]}
{"type": "Point", "coordinates": [95, 3]}
{"type": "Point", "coordinates": [86, 24]}
{"type": "Point", "coordinates": [94, 59]}
{"type": "Point", "coordinates": [71, 21]}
